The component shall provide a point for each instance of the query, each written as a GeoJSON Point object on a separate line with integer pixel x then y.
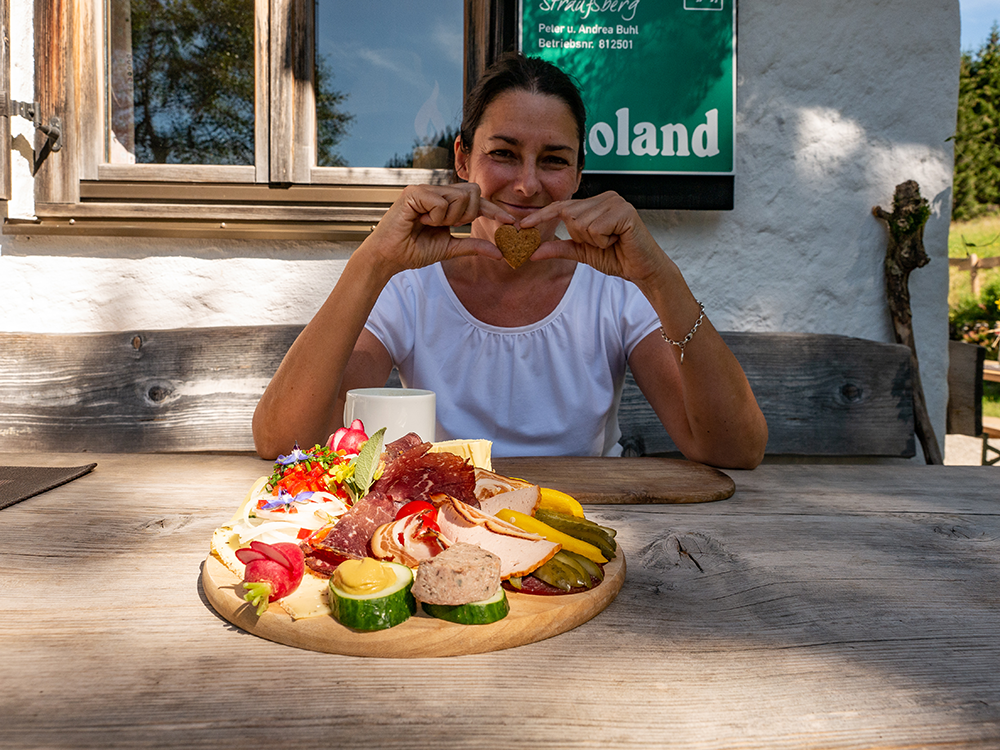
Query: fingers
{"type": "Point", "coordinates": [558, 249]}
{"type": "Point", "coordinates": [443, 206]}
{"type": "Point", "coordinates": [599, 221]}
{"type": "Point", "coordinates": [473, 246]}
{"type": "Point", "coordinates": [451, 205]}
{"type": "Point", "coordinates": [493, 211]}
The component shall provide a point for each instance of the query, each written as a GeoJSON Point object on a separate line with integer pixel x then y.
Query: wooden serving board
{"type": "Point", "coordinates": [531, 619]}
{"type": "Point", "coordinates": [622, 480]}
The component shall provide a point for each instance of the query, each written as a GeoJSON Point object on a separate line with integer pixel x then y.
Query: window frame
{"type": "Point", "coordinates": [282, 195]}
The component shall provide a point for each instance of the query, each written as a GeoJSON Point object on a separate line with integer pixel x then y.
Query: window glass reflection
{"type": "Point", "coordinates": [181, 81]}
{"type": "Point", "coordinates": [389, 82]}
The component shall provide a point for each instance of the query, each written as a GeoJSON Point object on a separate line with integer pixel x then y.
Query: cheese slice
{"type": "Point", "coordinates": [310, 599]}
{"type": "Point", "coordinates": [478, 452]}
{"type": "Point", "coordinates": [225, 542]}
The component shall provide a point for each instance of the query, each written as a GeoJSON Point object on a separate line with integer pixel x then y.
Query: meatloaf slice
{"type": "Point", "coordinates": [461, 574]}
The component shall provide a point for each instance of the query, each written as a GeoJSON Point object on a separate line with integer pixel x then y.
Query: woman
{"type": "Point", "coordinates": [532, 358]}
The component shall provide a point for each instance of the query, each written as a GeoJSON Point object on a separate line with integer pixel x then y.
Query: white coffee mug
{"type": "Point", "coordinates": [399, 410]}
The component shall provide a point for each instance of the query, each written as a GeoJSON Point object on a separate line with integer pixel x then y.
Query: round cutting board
{"type": "Point", "coordinates": [531, 618]}
{"type": "Point", "coordinates": [650, 479]}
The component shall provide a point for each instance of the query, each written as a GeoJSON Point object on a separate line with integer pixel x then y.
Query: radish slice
{"type": "Point", "coordinates": [334, 440]}
{"type": "Point", "coordinates": [272, 552]}
{"type": "Point", "coordinates": [247, 555]}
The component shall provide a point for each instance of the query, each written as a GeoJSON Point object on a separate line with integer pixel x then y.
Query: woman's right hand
{"type": "Point", "coordinates": [416, 230]}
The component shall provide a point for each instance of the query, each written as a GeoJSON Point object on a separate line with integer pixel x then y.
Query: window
{"type": "Point", "coordinates": [250, 118]}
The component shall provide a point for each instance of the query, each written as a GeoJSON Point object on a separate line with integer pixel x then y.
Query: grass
{"type": "Point", "coordinates": [991, 399]}
{"type": "Point", "coordinates": [982, 237]}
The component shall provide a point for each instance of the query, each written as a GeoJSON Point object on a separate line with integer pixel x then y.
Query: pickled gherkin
{"type": "Point", "coordinates": [584, 529]}
{"type": "Point", "coordinates": [557, 572]}
{"type": "Point", "coordinates": [595, 571]}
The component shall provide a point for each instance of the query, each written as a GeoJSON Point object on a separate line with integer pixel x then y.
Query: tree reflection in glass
{"type": "Point", "coordinates": [181, 84]}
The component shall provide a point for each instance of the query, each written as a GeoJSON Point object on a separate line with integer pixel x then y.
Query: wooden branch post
{"type": "Point", "coordinates": [905, 252]}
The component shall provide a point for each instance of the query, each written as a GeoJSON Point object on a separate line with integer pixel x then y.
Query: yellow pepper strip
{"type": "Point", "coordinates": [569, 543]}
{"type": "Point", "coordinates": [560, 502]}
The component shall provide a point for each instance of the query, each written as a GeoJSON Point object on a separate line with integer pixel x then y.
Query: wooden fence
{"type": "Point", "coordinates": [973, 264]}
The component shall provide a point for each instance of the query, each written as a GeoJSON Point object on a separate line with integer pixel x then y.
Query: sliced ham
{"type": "Point", "coordinates": [520, 552]}
{"type": "Point", "coordinates": [496, 492]}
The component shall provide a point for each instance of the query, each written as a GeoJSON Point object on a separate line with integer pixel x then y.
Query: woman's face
{"type": "Point", "coordinates": [523, 156]}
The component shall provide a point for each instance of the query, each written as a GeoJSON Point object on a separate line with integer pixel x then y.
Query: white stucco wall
{"type": "Point", "coordinates": [837, 103]}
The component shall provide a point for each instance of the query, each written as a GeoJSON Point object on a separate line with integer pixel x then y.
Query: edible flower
{"type": "Point", "coordinates": [285, 499]}
{"type": "Point", "coordinates": [294, 457]}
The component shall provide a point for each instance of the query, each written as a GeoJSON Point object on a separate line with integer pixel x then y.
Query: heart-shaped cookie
{"type": "Point", "coordinates": [517, 245]}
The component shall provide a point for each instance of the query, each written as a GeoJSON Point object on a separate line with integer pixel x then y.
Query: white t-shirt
{"type": "Point", "coordinates": [549, 388]}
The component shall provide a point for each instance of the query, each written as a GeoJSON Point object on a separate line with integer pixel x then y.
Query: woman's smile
{"type": "Point", "coordinates": [523, 156]}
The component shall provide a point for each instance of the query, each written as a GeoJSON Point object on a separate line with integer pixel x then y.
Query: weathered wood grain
{"type": "Point", "coordinates": [57, 173]}
{"type": "Point", "coordinates": [5, 153]}
{"type": "Point", "coordinates": [822, 395]}
{"type": "Point", "coordinates": [138, 391]}
{"type": "Point", "coordinates": [196, 389]}
{"type": "Point", "coordinates": [819, 607]}
{"type": "Point", "coordinates": [628, 480]}
{"type": "Point", "coordinates": [965, 388]}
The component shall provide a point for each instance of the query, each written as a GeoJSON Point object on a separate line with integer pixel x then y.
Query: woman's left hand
{"type": "Point", "coordinates": [605, 232]}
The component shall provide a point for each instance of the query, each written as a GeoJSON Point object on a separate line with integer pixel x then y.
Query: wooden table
{"type": "Point", "coordinates": [820, 606]}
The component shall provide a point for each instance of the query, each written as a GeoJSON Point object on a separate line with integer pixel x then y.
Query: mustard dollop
{"type": "Point", "coordinates": [364, 576]}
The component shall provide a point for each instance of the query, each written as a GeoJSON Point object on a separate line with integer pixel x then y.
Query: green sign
{"type": "Point", "coordinates": [658, 78]}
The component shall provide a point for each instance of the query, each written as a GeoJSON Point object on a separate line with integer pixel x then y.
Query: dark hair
{"type": "Point", "coordinates": [515, 72]}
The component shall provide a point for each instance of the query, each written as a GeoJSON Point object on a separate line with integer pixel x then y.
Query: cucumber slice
{"type": "Point", "coordinates": [474, 613]}
{"type": "Point", "coordinates": [383, 609]}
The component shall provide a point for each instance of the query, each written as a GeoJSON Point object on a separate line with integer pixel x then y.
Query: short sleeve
{"type": "Point", "coordinates": [639, 319]}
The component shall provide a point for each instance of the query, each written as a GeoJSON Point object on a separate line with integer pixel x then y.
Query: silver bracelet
{"type": "Point", "coordinates": [684, 342]}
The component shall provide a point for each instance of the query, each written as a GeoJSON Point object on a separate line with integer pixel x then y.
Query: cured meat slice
{"type": "Point", "coordinates": [414, 474]}
{"type": "Point", "coordinates": [496, 492]}
{"type": "Point", "coordinates": [520, 552]}
{"type": "Point", "coordinates": [418, 475]}
{"type": "Point", "coordinates": [392, 451]}
{"type": "Point", "coordinates": [319, 561]}
{"type": "Point", "coordinates": [349, 536]}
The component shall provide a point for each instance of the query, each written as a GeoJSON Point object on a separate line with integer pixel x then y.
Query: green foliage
{"type": "Point", "coordinates": [977, 136]}
{"type": "Point", "coordinates": [445, 140]}
{"type": "Point", "coordinates": [977, 320]}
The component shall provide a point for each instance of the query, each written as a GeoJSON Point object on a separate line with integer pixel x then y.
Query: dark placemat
{"type": "Point", "coordinates": [18, 483]}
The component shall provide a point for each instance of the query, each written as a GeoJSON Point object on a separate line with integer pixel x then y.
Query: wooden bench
{"type": "Point", "coordinates": [196, 389]}
{"type": "Point", "coordinates": [967, 369]}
